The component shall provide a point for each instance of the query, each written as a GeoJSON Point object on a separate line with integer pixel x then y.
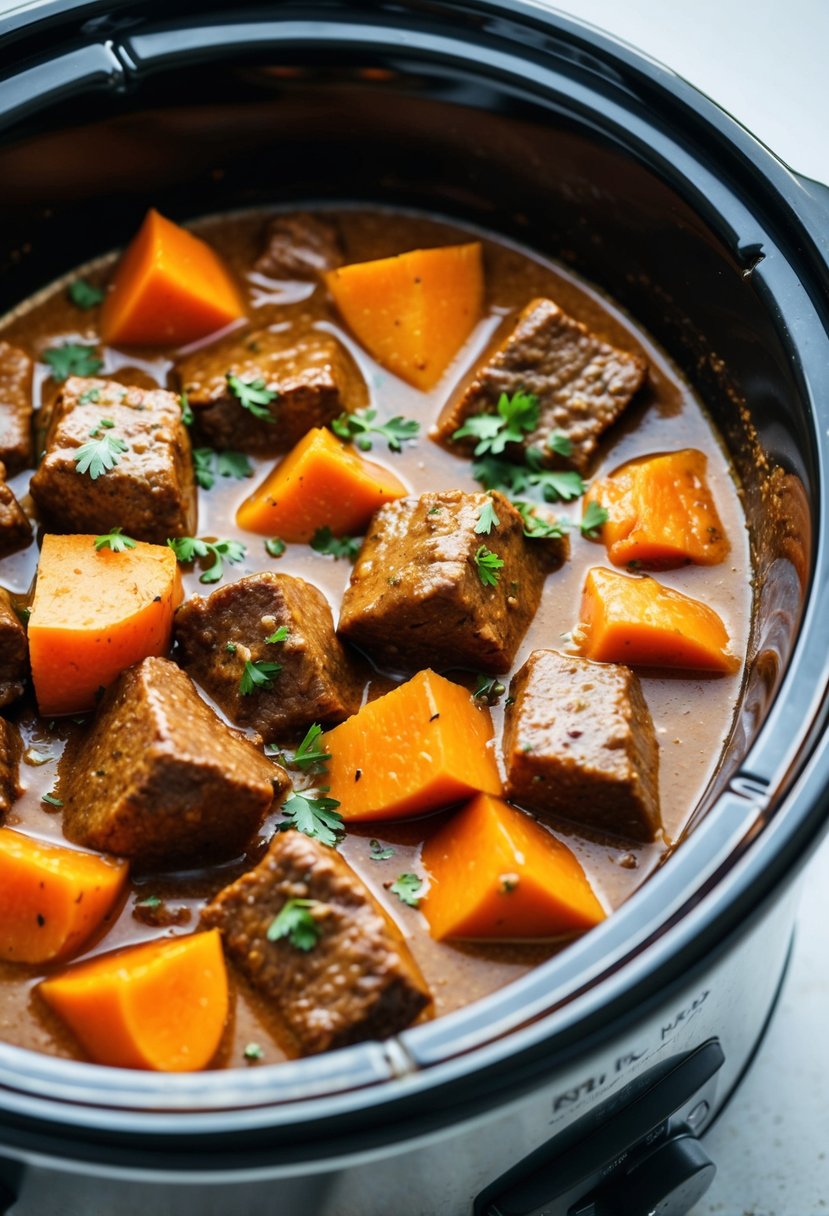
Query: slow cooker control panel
{"type": "Point", "coordinates": [643, 1160]}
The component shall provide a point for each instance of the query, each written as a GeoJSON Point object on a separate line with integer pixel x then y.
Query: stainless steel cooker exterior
{"type": "Point", "coordinates": [583, 1089]}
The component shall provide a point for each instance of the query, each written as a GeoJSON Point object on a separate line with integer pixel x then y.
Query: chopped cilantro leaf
{"type": "Point", "coordinates": [152, 901]}
{"type": "Point", "coordinates": [258, 674]}
{"type": "Point", "coordinates": [91, 397]}
{"type": "Point", "coordinates": [84, 295]}
{"type": "Point", "coordinates": [188, 548]}
{"type": "Point", "coordinates": [561, 444]}
{"type": "Point", "coordinates": [489, 566]}
{"type": "Point", "coordinates": [100, 453]}
{"type": "Point", "coordinates": [487, 519]}
{"type": "Point", "coordinates": [114, 540]}
{"type": "Point", "coordinates": [51, 800]}
{"type": "Point", "coordinates": [204, 461]}
{"type": "Point", "coordinates": [309, 755]}
{"type": "Point", "coordinates": [359, 427]}
{"type": "Point", "coordinates": [315, 816]}
{"type": "Point", "coordinates": [515, 417]}
{"type": "Point", "coordinates": [278, 635]}
{"type": "Point", "coordinates": [253, 1052]}
{"type": "Point", "coordinates": [207, 464]}
{"type": "Point", "coordinates": [253, 395]}
{"type": "Point", "coordinates": [324, 541]}
{"type": "Point", "coordinates": [296, 922]}
{"type": "Point", "coordinates": [407, 889]}
{"type": "Point", "coordinates": [186, 410]}
{"type": "Point", "coordinates": [71, 359]}
{"type": "Point", "coordinates": [536, 527]}
{"type": "Point", "coordinates": [379, 852]}
{"type": "Point", "coordinates": [275, 546]}
{"type": "Point", "coordinates": [594, 517]}
{"type": "Point", "coordinates": [517, 479]}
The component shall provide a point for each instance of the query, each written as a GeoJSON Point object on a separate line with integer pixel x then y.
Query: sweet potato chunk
{"type": "Point", "coordinates": [637, 621]}
{"type": "Point", "coordinates": [420, 747]}
{"type": "Point", "coordinates": [95, 613]}
{"type": "Point", "coordinates": [148, 487]}
{"type": "Point", "coordinates": [160, 1006]}
{"type": "Point", "coordinates": [161, 779]}
{"type": "Point", "coordinates": [52, 899]}
{"type": "Point", "coordinates": [217, 637]}
{"type": "Point", "coordinates": [413, 312]}
{"type": "Point", "coordinates": [170, 288]}
{"type": "Point", "coordinates": [582, 383]}
{"type": "Point", "coordinates": [660, 512]}
{"type": "Point", "coordinates": [579, 744]}
{"type": "Point", "coordinates": [321, 483]}
{"type": "Point", "coordinates": [497, 875]}
{"type": "Point", "coordinates": [418, 595]}
{"type": "Point", "coordinates": [357, 979]}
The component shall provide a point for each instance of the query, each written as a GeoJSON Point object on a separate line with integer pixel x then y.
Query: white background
{"type": "Point", "coordinates": [767, 63]}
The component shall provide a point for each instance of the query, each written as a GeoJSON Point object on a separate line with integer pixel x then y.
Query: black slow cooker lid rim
{"type": "Point", "coordinates": [490, 7]}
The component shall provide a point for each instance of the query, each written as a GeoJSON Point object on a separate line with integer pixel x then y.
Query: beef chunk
{"type": "Point", "coordinates": [359, 980]}
{"type": "Point", "coordinates": [161, 779]}
{"type": "Point", "coordinates": [149, 492]}
{"type": "Point", "coordinates": [14, 651]}
{"type": "Point", "coordinates": [15, 529]}
{"type": "Point", "coordinates": [582, 383]}
{"type": "Point", "coordinates": [416, 598]}
{"type": "Point", "coordinates": [579, 744]}
{"type": "Point", "coordinates": [311, 374]}
{"type": "Point", "coordinates": [10, 752]}
{"type": "Point", "coordinates": [299, 246]}
{"type": "Point", "coordinates": [15, 408]}
{"type": "Point", "coordinates": [318, 681]}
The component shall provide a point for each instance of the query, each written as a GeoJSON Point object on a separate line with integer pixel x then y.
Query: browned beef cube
{"type": "Point", "coordinates": [357, 982]}
{"type": "Point", "coordinates": [418, 597]}
{"type": "Point", "coordinates": [10, 752]}
{"type": "Point", "coordinates": [318, 682]}
{"type": "Point", "coordinates": [149, 490]}
{"type": "Point", "coordinates": [161, 779]}
{"type": "Point", "coordinates": [14, 651]}
{"type": "Point", "coordinates": [311, 374]}
{"type": "Point", "coordinates": [15, 408]}
{"type": "Point", "coordinates": [299, 246]}
{"type": "Point", "coordinates": [582, 383]}
{"type": "Point", "coordinates": [15, 529]}
{"type": "Point", "coordinates": [579, 744]}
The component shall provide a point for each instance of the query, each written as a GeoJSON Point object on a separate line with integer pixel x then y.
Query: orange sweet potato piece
{"type": "Point", "coordinates": [170, 288]}
{"type": "Point", "coordinates": [660, 512]}
{"type": "Point", "coordinates": [413, 312]}
{"type": "Point", "coordinates": [497, 874]}
{"type": "Point", "coordinates": [160, 1006]}
{"type": "Point", "coordinates": [321, 482]}
{"type": "Point", "coordinates": [420, 747]}
{"type": "Point", "coordinates": [52, 898]}
{"type": "Point", "coordinates": [639, 622]}
{"type": "Point", "coordinates": [94, 614]}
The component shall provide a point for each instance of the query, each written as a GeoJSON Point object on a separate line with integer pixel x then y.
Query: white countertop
{"type": "Point", "coordinates": [765, 61]}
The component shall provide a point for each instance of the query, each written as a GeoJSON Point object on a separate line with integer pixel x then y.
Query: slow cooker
{"type": "Point", "coordinates": [584, 1088]}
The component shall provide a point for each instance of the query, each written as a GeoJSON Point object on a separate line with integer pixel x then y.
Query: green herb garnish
{"type": "Point", "coordinates": [593, 518]}
{"type": "Point", "coordinates": [379, 852]}
{"type": "Point", "coordinates": [488, 565]}
{"type": "Point", "coordinates": [207, 464]}
{"type": "Point", "coordinates": [561, 444]}
{"type": "Point", "coordinates": [188, 548]}
{"type": "Point", "coordinates": [186, 410]}
{"type": "Point", "coordinates": [359, 427]}
{"type": "Point", "coordinates": [253, 1052]}
{"type": "Point", "coordinates": [537, 528]}
{"type": "Point", "coordinates": [101, 453]}
{"type": "Point", "coordinates": [487, 519]}
{"type": "Point", "coordinates": [489, 689]}
{"type": "Point", "coordinates": [517, 479]}
{"type": "Point", "coordinates": [257, 675]}
{"type": "Point", "coordinates": [114, 540]}
{"type": "Point", "coordinates": [84, 295]}
{"type": "Point", "coordinates": [51, 800]}
{"type": "Point", "coordinates": [279, 635]}
{"type": "Point", "coordinates": [324, 541]}
{"type": "Point", "coordinates": [513, 420]}
{"type": "Point", "coordinates": [253, 395]}
{"type": "Point", "coordinates": [297, 924]}
{"type": "Point", "coordinates": [308, 755]}
{"type": "Point", "coordinates": [315, 816]}
{"type": "Point", "coordinates": [151, 902]}
{"type": "Point", "coordinates": [71, 359]}
{"type": "Point", "coordinates": [407, 889]}
{"type": "Point", "coordinates": [275, 546]}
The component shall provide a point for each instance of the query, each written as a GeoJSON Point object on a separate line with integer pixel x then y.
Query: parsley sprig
{"type": "Point", "coordinates": [309, 755]}
{"type": "Point", "coordinates": [209, 464]}
{"type": "Point", "coordinates": [296, 922]}
{"type": "Point", "coordinates": [187, 416]}
{"type": "Point", "coordinates": [360, 426]}
{"type": "Point", "coordinates": [594, 517]}
{"type": "Point", "coordinates": [487, 519]}
{"type": "Point", "coordinates": [280, 634]}
{"type": "Point", "coordinates": [114, 540]}
{"type": "Point", "coordinates": [514, 419]}
{"type": "Point", "coordinates": [101, 453]}
{"type": "Point", "coordinates": [324, 541]}
{"type": "Point", "coordinates": [188, 548]}
{"type": "Point", "coordinates": [253, 395]}
{"type": "Point", "coordinates": [258, 674]}
{"type": "Point", "coordinates": [561, 444]}
{"type": "Point", "coordinates": [84, 295]}
{"type": "Point", "coordinates": [488, 565]}
{"type": "Point", "coordinates": [407, 889]}
{"type": "Point", "coordinates": [315, 816]}
{"type": "Point", "coordinates": [555, 485]}
{"type": "Point", "coordinates": [538, 528]}
{"type": "Point", "coordinates": [275, 546]}
{"type": "Point", "coordinates": [72, 359]}
{"type": "Point", "coordinates": [379, 852]}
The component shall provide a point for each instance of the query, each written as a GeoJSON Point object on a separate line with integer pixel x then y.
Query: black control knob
{"type": "Point", "coordinates": [667, 1183]}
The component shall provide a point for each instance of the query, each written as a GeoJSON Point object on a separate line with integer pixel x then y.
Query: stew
{"type": "Point", "coordinates": [373, 601]}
